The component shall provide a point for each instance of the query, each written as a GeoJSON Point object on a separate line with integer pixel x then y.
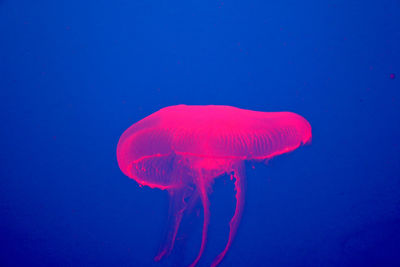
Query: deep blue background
{"type": "Point", "coordinates": [75, 74]}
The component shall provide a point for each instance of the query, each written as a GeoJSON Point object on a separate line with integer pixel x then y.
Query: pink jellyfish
{"type": "Point", "coordinates": [182, 149]}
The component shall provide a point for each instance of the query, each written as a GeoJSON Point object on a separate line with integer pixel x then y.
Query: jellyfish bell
{"type": "Point", "coordinates": [182, 149]}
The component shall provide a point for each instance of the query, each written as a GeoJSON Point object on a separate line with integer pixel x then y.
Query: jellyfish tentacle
{"type": "Point", "coordinates": [177, 207]}
{"type": "Point", "coordinates": [239, 175]}
{"type": "Point", "coordinates": [203, 191]}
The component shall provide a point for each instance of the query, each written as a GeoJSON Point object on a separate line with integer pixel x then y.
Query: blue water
{"type": "Point", "coordinates": [75, 74]}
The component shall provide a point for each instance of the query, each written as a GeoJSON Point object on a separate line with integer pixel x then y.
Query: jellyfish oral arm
{"type": "Point", "coordinates": [203, 187]}
{"type": "Point", "coordinates": [239, 176]}
{"type": "Point", "coordinates": [177, 207]}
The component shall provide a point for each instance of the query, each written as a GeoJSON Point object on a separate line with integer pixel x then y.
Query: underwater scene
{"type": "Point", "coordinates": [200, 133]}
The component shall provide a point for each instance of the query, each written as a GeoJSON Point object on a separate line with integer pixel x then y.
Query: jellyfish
{"type": "Point", "coordinates": [182, 149]}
